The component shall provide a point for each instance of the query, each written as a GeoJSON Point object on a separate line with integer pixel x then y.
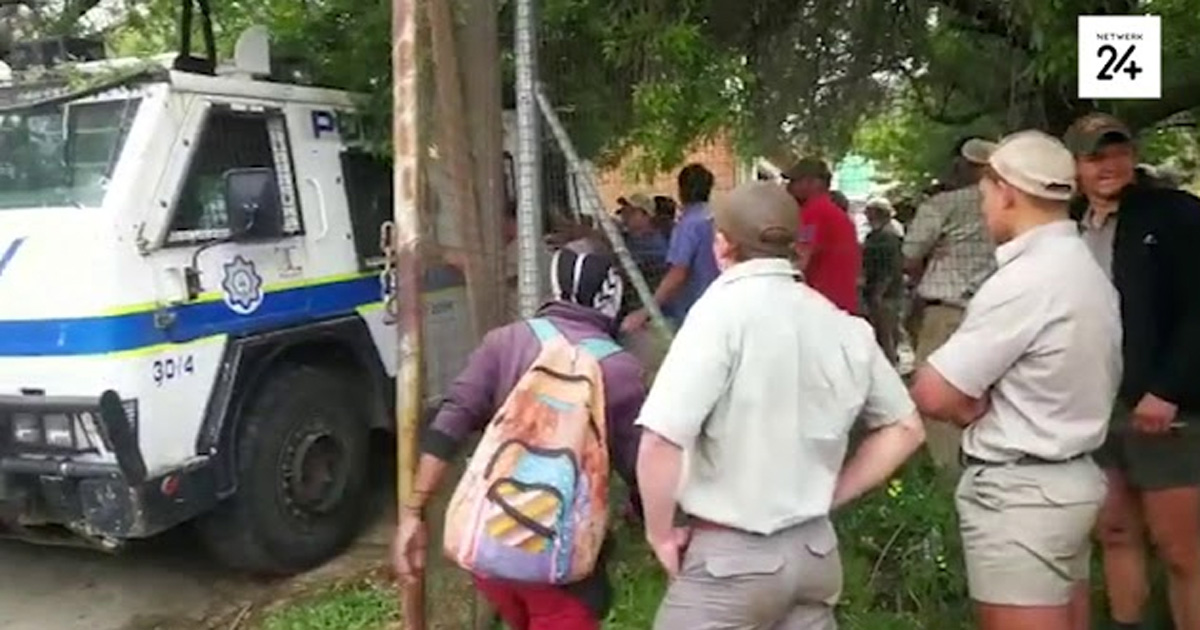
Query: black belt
{"type": "Point", "coordinates": [1024, 460]}
{"type": "Point", "coordinates": [943, 303]}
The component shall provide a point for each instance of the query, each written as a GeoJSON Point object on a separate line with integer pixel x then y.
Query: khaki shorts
{"type": "Point", "coordinates": [1026, 530]}
{"type": "Point", "coordinates": [733, 580]}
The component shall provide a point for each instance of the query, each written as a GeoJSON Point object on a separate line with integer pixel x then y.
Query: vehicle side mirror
{"type": "Point", "coordinates": [252, 201]}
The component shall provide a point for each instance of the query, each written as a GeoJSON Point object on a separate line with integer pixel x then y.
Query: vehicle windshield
{"type": "Point", "coordinates": [61, 155]}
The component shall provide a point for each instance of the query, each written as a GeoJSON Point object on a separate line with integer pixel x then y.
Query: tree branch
{"type": "Point", "coordinates": [1179, 95]}
{"type": "Point", "coordinates": [986, 18]}
{"type": "Point", "coordinates": [72, 12]}
{"type": "Point", "coordinates": [939, 114]}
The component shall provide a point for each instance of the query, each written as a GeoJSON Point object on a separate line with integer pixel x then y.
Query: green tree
{"type": "Point", "coordinates": [782, 75]}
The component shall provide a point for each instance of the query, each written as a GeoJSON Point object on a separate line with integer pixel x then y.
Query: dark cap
{"type": "Point", "coordinates": [808, 167]}
{"type": "Point", "coordinates": [1092, 132]}
{"type": "Point", "coordinates": [760, 218]}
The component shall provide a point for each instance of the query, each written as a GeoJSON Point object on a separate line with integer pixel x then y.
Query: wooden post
{"type": "Point", "coordinates": [479, 42]}
{"type": "Point", "coordinates": [451, 124]}
{"type": "Point", "coordinates": [407, 219]}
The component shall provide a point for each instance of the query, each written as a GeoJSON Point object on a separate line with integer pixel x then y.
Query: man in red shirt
{"type": "Point", "coordinates": [829, 253]}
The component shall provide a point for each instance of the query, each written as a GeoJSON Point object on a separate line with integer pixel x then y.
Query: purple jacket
{"type": "Point", "coordinates": [506, 354]}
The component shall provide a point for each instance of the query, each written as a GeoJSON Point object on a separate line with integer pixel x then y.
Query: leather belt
{"type": "Point", "coordinates": [943, 303]}
{"type": "Point", "coordinates": [1024, 460]}
{"type": "Point", "coordinates": [699, 523]}
{"type": "Point", "coordinates": [706, 525]}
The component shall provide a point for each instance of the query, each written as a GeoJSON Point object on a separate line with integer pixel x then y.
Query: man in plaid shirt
{"type": "Point", "coordinates": [948, 248]}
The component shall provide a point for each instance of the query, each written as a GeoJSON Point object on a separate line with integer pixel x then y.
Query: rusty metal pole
{"type": "Point", "coordinates": [407, 219]}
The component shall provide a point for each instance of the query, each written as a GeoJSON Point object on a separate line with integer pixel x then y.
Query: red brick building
{"type": "Point", "coordinates": [719, 156]}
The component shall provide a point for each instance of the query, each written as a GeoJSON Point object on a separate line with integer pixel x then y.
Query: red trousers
{"type": "Point", "coordinates": [526, 607]}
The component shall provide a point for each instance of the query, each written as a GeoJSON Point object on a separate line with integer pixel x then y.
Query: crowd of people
{"type": "Point", "coordinates": [1048, 293]}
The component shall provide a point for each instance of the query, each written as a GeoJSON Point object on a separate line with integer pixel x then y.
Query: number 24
{"type": "Point", "coordinates": [171, 368]}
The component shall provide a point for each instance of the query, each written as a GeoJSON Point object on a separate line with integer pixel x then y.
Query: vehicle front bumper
{"type": "Point", "coordinates": [100, 501]}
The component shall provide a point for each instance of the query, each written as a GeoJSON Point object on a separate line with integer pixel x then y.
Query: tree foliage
{"type": "Point", "coordinates": [782, 76]}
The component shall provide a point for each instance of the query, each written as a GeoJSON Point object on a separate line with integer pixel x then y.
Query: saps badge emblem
{"type": "Point", "coordinates": [242, 287]}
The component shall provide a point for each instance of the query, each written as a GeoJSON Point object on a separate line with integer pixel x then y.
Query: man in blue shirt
{"type": "Point", "coordinates": [690, 254]}
{"type": "Point", "coordinates": [647, 244]}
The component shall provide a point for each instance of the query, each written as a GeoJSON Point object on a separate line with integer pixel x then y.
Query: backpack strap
{"type": "Point", "coordinates": [600, 348]}
{"type": "Point", "coordinates": [544, 329]}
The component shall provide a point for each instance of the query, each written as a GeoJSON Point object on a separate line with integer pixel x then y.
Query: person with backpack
{"type": "Point", "coordinates": [556, 399]}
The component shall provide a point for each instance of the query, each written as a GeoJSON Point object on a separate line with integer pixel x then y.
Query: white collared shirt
{"type": "Point", "coordinates": [761, 388]}
{"type": "Point", "coordinates": [1042, 340]}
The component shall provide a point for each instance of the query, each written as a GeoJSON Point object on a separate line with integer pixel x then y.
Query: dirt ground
{"type": "Point", "coordinates": [167, 583]}
{"type": "Point", "coordinates": [164, 584]}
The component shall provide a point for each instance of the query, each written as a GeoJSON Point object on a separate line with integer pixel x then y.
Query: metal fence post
{"type": "Point", "coordinates": [594, 206]}
{"type": "Point", "coordinates": [529, 167]}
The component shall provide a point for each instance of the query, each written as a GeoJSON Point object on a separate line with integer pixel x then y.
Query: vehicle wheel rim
{"type": "Point", "coordinates": [315, 472]}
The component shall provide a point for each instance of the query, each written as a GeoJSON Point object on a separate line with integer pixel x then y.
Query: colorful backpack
{"type": "Point", "coordinates": [532, 505]}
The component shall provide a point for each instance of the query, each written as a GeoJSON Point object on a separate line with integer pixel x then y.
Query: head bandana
{"type": "Point", "coordinates": [589, 280]}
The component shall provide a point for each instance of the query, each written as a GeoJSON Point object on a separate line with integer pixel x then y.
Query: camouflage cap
{"type": "Point", "coordinates": [1091, 132]}
{"type": "Point", "coordinates": [760, 218]}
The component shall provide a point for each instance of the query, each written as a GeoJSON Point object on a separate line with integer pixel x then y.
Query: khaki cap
{"type": "Point", "coordinates": [882, 204]}
{"type": "Point", "coordinates": [1091, 132]}
{"type": "Point", "coordinates": [641, 201]}
{"type": "Point", "coordinates": [976, 151]}
{"type": "Point", "coordinates": [760, 218]}
{"type": "Point", "coordinates": [1035, 163]}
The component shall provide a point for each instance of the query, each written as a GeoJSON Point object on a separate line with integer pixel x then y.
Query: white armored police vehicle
{"type": "Point", "coordinates": [191, 310]}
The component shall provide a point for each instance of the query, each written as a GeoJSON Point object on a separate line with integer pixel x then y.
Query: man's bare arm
{"type": "Point", "coordinates": [659, 467]}
{"type": "Point", "coordinates": [937, 398]}
{"type": "Point", "coordinates": [879, 456]}
{"type": "Point", "coordinates": [670, 285]}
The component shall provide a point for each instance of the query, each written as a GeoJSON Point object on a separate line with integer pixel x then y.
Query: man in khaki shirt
{"type": "Point", "coordinates": [760, 389]}
{"type": "Point", "coordinates": [1031, 375]}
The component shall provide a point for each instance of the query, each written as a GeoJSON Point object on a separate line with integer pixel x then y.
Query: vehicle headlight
{"type": "Point", "coordinates": [27, 429]}
{"type": "Point", "coordinates": [59, 430]}
{"type": "Point", "coordinates": [71, 431]}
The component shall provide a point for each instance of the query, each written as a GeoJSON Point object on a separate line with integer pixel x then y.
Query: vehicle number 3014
{"type": "Point", "coordinates": [171, 368]}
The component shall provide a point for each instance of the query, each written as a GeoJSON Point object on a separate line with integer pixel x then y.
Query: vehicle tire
{"type": "Point", "coordinates": [301, 460]}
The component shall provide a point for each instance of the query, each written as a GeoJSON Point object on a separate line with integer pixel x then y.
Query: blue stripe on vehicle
{"type": "Point", "coordinates": [132, 331]}
{"type": "Point", "coordinates": [120, 333]}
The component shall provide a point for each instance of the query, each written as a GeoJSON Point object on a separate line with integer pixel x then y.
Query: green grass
{"type": "Point", "coordinates": [900, 550]}
{"type": "Point", "coordinates": [367, 605]}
